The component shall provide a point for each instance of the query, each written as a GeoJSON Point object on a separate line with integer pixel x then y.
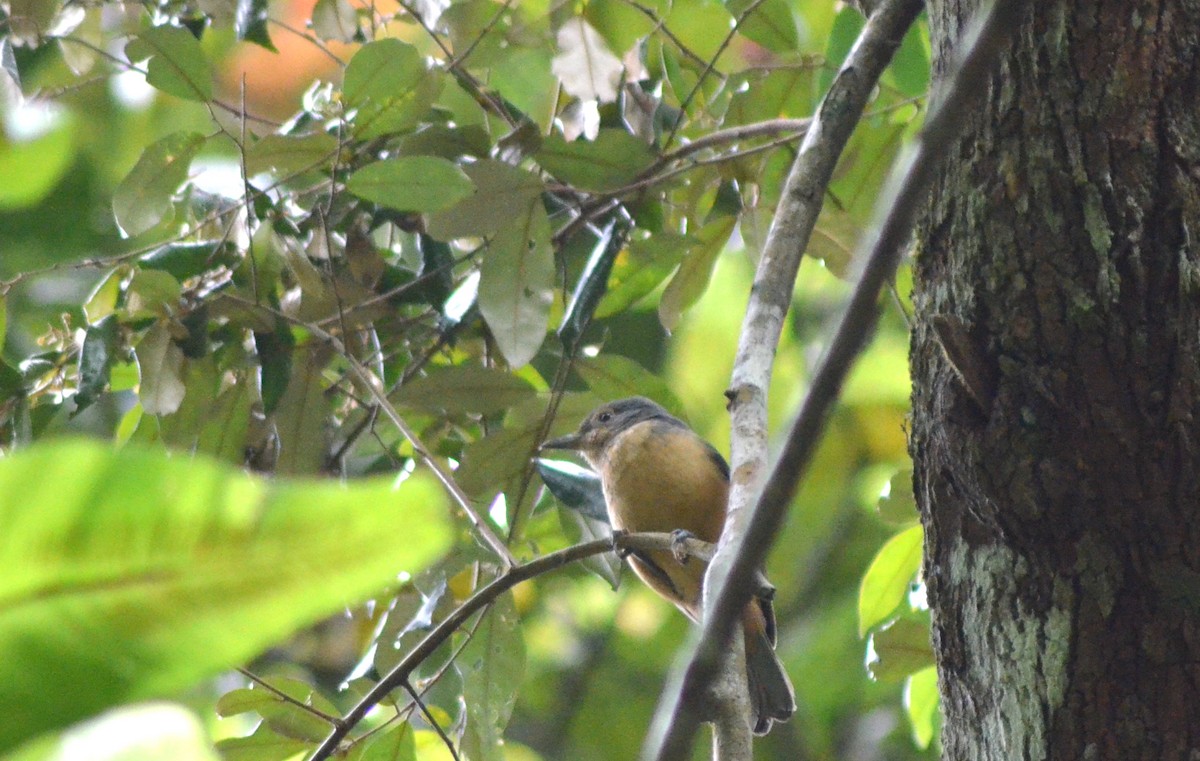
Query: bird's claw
{"type": "Point", "coordinates": [679, 539]}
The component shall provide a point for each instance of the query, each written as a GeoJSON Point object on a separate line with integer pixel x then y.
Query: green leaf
{"type": "Point", "coordinates": [289, 718]}
{"type": "Point", "coordinates": [898, 506]}
{"type": "Point", "coordinates": [647, 264]}
{"type": "Point", "coordinates": [691, 279]}
{"type": "Point", "coordinates": [265, 743]}
{"type": "Point", "coordinates": [515, 285]}
{"type": "Point", "coordinates": [620, 24]}
{"type": "Point", "coordinates": [177, 64]}
{"type": "Point", "coordinates": [274, 351]}
{"type": "Point", "coordinates": [846, 28]}
{"type": "Point", "coordinates": [390, 86]}
{"type": "Point", "coordinates": [611, 376]}
{"type": "Point", "coordinates": [901, 649]}
{"type": "Point", "coordinates": [95, 360]}
{"type": "Point", "coordinates": [250, 23]}
{"type": "Point", "coordinates": [492, 664]}
{"type": "Point", "coordinates": [885, 584]}
{"type": "Point", "coordinates": [397, 743]}
{"type": "Point", "coordinates": [615, 158]}
{"type": "Point", "coordinates": [576, 488]}
{"type": "Point", "coordinates": [910, 66]}
{"type": "Point", "coordinates": [33, 168]}
{"type": "Point", "coordinates": [586, 515]}
{"type": "Point", "coordinates": [412, 183]}
{"type": "Point", "coordinates": [144, 197]}
{"type": "Point", "coordinates": [921, 701]}
{"type": "Point", "coordinates": [152, 293]}
{"type": "Point", "coordinates": [160, 363]}
{"type": "Point", "coordinates": [464, 389]}
{"type": "Point", "coordinates": [502, 193]}
{"type": "Point", "coordinates": [771, 24]}
{"type": "Point", "coordinates": [290, 154]}
{"type": "Point", "coordinates": [184, 260]}
{"type": "Point", "coordinates": [334, 20]}
{"type": "Point", "coordinates": [134, 574]}
{"type": "Point", "coordinates": [701, 25]}
{"type": "Point", "coordinates": [300, 418]}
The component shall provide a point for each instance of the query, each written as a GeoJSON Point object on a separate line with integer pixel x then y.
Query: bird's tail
{"type": "Point", "coordinates": [771, 695]}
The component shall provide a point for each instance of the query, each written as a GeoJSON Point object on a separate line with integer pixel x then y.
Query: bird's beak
{"type": "Point", "coordinates": [570, 441]}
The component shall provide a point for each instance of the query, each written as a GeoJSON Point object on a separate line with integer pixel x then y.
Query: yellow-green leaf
{"type": "Point", "coordinates": [134, 574]}
{"type": "Point", "coordinates": [885, 584]}
{"type": "Point", "coordinates": [177, 65]}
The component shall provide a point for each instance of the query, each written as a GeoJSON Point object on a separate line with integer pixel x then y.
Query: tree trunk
{"type": "Point", "coordinates": [1056, 375]}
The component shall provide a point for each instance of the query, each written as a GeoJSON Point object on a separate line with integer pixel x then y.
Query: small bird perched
{"type": "Point", "coordinates": [658, 475]}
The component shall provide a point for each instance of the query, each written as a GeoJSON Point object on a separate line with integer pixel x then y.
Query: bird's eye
{"type": "Point", "coordinates": [604, 417]}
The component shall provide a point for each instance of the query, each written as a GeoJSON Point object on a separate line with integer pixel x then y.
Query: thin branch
{"type": "Point", "coordinates": [881, 251]}
{"type": "Point", "coordinates": [374, 386]}
{"type": "Point", "coordinates": [333, 720]}
{"type": "Point", "coordinates": [484, 597]}
{"type": "Point", "coordinates": [429, 717]}
{"type": "Point", "coordinates": [710, 67]}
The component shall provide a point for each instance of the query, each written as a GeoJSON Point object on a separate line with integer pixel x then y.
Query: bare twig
{"type": "Point", "coordinates": [374, 387]}
{"type": "Point", "coordinates": [881, 251]}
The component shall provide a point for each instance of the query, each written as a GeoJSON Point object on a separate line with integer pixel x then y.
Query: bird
{"type": "Point", "coordinates": [658, 475]}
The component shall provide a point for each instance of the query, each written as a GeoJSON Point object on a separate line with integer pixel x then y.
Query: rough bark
{"type": "Point", "coordinates": [1056, 375]}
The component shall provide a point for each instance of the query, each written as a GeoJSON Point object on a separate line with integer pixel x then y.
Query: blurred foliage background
{"type": "Point", "coordinates": [213, 214]}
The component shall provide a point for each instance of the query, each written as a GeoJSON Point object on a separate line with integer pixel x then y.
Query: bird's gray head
{"type": "Point", "coordinates": [607, 422]}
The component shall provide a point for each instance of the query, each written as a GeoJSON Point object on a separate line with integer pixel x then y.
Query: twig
{"type": "Point", "coordinates": [374, 387]}
{"type": "Point", "coordinates": [882, 249]}
{"type": "Point", "coordinates": [429, 717]}
{"type": "Point", "coordinates": [333, 720]}
{"type": "Point", "coordinates": [486, 596]}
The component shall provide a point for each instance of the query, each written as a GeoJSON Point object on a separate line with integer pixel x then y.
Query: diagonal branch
{"type": "Point", "coordinates": [880, 251]}
{"type": "Point", "coordinates": [399, 674]}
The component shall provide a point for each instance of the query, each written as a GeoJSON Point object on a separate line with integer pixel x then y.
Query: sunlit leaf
{"type": "Point", "coordinates": [464, 388]}
{"type": "Point", "coordinates": [586, 67]}
{"type": "Point", "coordinates": [613, 159]}
{"type": "Point", "coordinates": [160, 363]}
{"type": "Point", "coordinates": [177, 65]}
{"type": "Point", "coordinates": [886, 582]}
{"type": "Point", "coordinates": [411, 183]}
{"type": "Point", "coordinates": [144, 197]}
{"type": "Point", "coordinates": [32, 168]}
{"type": "Point", "coordinates": [921, 701]}
{"type": "Point", "coordinates": [515, 285]}
{"type": "Point", "coordinates": [134, 574]}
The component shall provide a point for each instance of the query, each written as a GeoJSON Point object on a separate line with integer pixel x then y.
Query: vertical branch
{"type": "Point", "coordinates": [774, 281]}
{"type": "Point", "coordinates": [744, 546]}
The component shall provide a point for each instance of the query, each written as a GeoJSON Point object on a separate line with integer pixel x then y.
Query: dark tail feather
{"type": "Point", "coordinates": [771, 695]}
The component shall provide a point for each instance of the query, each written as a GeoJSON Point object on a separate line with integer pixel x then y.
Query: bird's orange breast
{"type": "Point", "coordinates": [660, 477]}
